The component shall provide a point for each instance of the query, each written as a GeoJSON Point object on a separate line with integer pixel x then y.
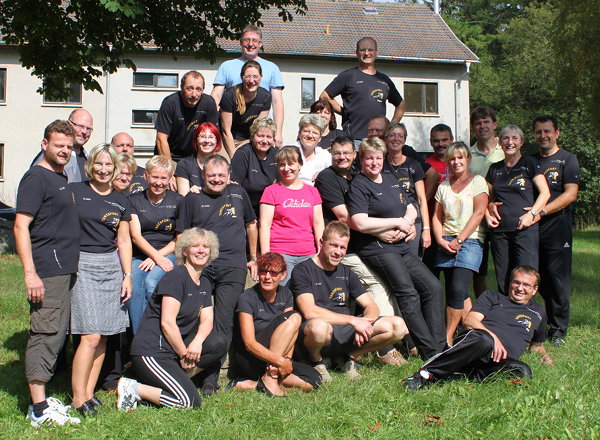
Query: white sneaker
{"type": "Point", "coordinates": [127, 397]}
{"type": "Point", "coordinates": [53, 402]}
{"type": "Point", "coordinates": [351, 370]}
{"type": "Point", "coordinates": [322, 370]}
{"type": "Point", "coordinates": [51, 415]}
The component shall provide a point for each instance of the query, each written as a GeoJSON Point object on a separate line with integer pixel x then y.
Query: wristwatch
{"type": "Point", "coordinates": [542, 213]}
{"type": "Point", "coordinates": [459, 240]}
{"type": "Point", "coordinates": [533, 213]}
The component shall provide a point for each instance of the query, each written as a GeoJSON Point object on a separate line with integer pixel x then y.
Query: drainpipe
{"type": "Point", "coordinates": [457, 114]}
{"type": "Point", "coordinates": [107, 105]}
{"type": "Point", "coordinates": [436, 6]}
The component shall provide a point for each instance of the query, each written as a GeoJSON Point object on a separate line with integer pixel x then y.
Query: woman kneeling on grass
{"type": "Point", "coordinates": [269, 328]}
{"type": "Point", "coordinates": [174, 341]}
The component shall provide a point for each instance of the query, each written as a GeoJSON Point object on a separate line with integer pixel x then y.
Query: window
{"type": "Point", "coordinates": [156, 80]}
{"type": "Point", "coordinates": [421, 97]}
{"type": "Point", "coordinates": [2, 85]}
{"type": "Point", "coordinates": [144, 117]}
{"type": "Point", "coordinates": [73, 99]}
{"type": "Point", "coordinates": [308, 93]}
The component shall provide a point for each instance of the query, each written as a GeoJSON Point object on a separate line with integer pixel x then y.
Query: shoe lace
{"type": "Point", "coordinates": [57, 405]}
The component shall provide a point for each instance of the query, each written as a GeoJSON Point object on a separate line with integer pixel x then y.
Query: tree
{"type": "Point", "coordinates": [76, 41]}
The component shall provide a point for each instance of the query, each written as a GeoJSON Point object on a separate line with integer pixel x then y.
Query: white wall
{"type": "Point", "coordinates": [23, 116]}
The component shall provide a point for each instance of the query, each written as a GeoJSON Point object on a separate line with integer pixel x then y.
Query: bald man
{"type": "Point", "coordinates": [123, 143]}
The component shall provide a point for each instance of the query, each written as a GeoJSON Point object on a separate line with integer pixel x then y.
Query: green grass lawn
{"type": "Point", "coordinates": [561, 401]}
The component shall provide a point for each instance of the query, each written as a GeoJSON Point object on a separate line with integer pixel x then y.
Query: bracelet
{"type": "Point", "coordinates": [252, 259]}
{"type": "Point", "coordinates": [426, 228]}
{"type": "Point", "coordinates": [128, 274]}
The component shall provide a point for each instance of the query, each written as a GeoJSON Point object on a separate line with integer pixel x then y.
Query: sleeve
{"type": "Point", "coordinates": [268, 196]}
{"type": "Point", "coordinates": [207, 285]}
{"type": "Point", "coordinates": [489, 177]}
{"type": "Point", "coordinates": [276, 80]}
{"type": "Point", "coordinates": [330, 191]}
{"type": "Point", "coordinates": [300, 281]}
{"type": "Point", "coordinates": [172, 284]}
{"type": "Point", "coordinates": [532, 168]}
{"type": "Point", "coordinates": [484, 303]}
{"type": "Point", "coordinates": [479, 186]}
{"type": "Point", "coordinates": [539, 335]}
{"type": "Point", "coordinates": [228, 100]}
{"type": "Point", "coordinates": [338, 85]}
{"type": "Point", "coordinates": [30, 195]}
{"type": "Point", "coordinates": [243, 304]}
{"type": "Point", "coordinates": [315, 196]}
{"type": "Point", "coordinates": [288, 299]}
{"type": "Point", "coordinates": [268, 100]}
{"type": "Point", "coordinates": [439, 193]}
{"type": "Point", "coordinates": [221, 77]}
{"type": "Point", "coordinates": [355, 287]}
{"type": "Point", "coordinates": [395, 98]}
{"type": "Point", "coordinates": [419, 173]}
{"type": "Point", "coordinates": [184, 208]}
{"type": "Point", "coordinates": [164, 119]}
{"type": "Point", "coordinates": [129, 209]}
{"type": "Point", "coordinates": [571, 170]}
{"type": "Point", "coordinates": [182, 169]}
{"type": "Point", "coordinates": [358, 200]}
{"type": "Point", "coordinates": [239, 165]}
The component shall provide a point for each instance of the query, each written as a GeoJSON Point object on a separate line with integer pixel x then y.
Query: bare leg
{"type": "Point", "coordinates": [386, 331]}
{"type": "Point", "coordinates": [466, 309]}
{"type": "Point", "coordinates": [96, 367]}
{"type": "Point", "coordinates": [285, 335]}
{"type": "Point", "coordinates": [83, 362]}
{"type": "Point", "coordinates": [246, 385]}
{"type": "Point", "coordinates": [453, 317]}
{"type": "Point", "coordinates": [293, 381]}
{"type": "Point", "coordinates": [37, 390]}
{"type": "Point", "coordinates": [149, 393]}
{"type": "Point", "coordinates": [317, 334]}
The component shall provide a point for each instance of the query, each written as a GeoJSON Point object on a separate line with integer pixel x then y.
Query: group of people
{"type": "Point", "coordinates": [344, 235]}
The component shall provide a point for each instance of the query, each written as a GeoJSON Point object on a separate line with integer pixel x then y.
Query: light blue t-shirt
{"type": "Point", "coordinates": [229, 74]}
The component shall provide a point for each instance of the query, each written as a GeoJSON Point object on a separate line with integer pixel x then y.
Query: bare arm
{"type": "Point", "coordinates": [277, 100]}
{"type": "Point", "coordinates": [318, 224]}
{"type": "Point", "coordinates": [183, 185]}
{"type": "Point", "coordinates": [158, 256]}
{"type": "Point", "coordinates": [568, 196]}
{"type": "Point", "coordinates": [228, 141]}
{"type": "Point", "coordinates": [334, 104]}
{"type": "Point", "coordinates": [528, 218]}
{"type": "Point", "coordinates": [422, 199]}
{"type": "Point", "coordinates": [253, 346]}
{"type": "Point", "coordinates": [538, 347]}
{"type": "Point", "coordinates": [480, 202]}
{"type": "Point", "coordinates": [168, 324]}
{"type": "Point", "coordinates": [162, 144]}
{"type": "Point", "coordinates": [194, 348]}
{"type": "Point", "coordinates": [252, 236]}
{"type": "Point", "coordinates": [35, 287]}
{"type": "Point", "coordinates": [373, 225]}
{"type": "Point", "coordinates": [264, 232]}
{"type": "Point", "coordinates": [398, 112]}
{"type": "Point", "coordinates": [124, 246]}
{"type": "Point", "coordinates": [217, 93]}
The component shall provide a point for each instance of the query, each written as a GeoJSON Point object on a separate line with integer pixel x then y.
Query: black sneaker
{"type": "Point", "coordinates": [209, 389]}
{"type": "Point", "coordinates": [557, 340]}
{"type": "Point", "coordinates": [418, 380]}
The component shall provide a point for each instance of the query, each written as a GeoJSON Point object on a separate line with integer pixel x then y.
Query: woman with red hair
{"type": "Point", "coordinates": [188, 174]}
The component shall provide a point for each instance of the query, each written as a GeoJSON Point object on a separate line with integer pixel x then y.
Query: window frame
{"type": "Point", "coordinates": [314, 92]}
{"type": "Point", "coordinates": [155, 85]}
{"type": "Point", "coordinates": [423, 98]}
{"type": "Point", "coordinates": [65, 103]}
{"type": "Point", "coordinates": [143, 124]}
{"type": "Point", "coordinates": [4, 71]}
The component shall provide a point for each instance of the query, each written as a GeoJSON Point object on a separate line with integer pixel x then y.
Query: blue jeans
{"type": "Point", "coordinates": [144, 284]}
{"type": "Point", "coordinates": [290, 262]}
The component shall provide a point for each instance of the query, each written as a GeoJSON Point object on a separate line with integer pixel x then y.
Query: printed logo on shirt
{"type": "Point", "coordinates": [338, 295]}
{"type": "Point", "coordinates": [525, 321]}
{"type": "Point", "coordinates": [551, 175]}
{"type": "Point", "coordinates": [518, 181]}
{"type": "Point", "coordinates": [135, 187]}
{"type": "Point", "coordinates": [405, 183]}
{"type": "Point", "coordinates": [111, 219]}
{"type": "Point", "coordinates": [166, 224]}
{"type": "Point", "coordinates": [227, 210]}
{"type": "Point", "coordinates": [377, 95]}
{"type": "Point", "coordinates": [293, 203]}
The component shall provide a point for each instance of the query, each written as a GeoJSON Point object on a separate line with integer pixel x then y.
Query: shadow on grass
{"type": "Point", "coordinates": [12, 374]}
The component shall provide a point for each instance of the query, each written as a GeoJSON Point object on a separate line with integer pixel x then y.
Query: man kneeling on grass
{"type": "Point", "coordinates": [498, 330]}
{"type": "Point", "coordinates": [322, 288]}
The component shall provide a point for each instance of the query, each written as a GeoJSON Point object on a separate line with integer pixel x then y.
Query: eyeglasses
{"type": "Point", "coordinates": [309, 131]}
{"type": "Point", "coordinates": [397, 135]}
{"type": "Point", "coordinates": [249, 77]}
{"type": "Point", "coordinates": [82, 127]}
{"type": "Point", "coordinates": [342, 153]}
{"type": "Point", "coordinates": [273, 273]}
{"type": "Point", "coordinates": [204, 137]}
{"type": "Point", "coordinates": [251, 40]}
{"type": "Point", "coordinates": [526, 286]}
{"type": "Point", "coordinates": [128, 175]}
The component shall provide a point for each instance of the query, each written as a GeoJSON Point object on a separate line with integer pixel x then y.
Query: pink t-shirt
{"type": "Point", "coordinates": [292, 227]}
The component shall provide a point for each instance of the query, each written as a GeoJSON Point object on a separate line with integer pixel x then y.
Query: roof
{"type": "Point", "coordinates": [403, 31]}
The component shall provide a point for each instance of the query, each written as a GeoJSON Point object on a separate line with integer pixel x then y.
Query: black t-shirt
{"type": "Point", "coordinates": [409, 151]}
{"type": "Point", "coordinates": [226, 215]}
{"type": "Point", "coordinates": [331, 290]}
{"type": "Point", "coordinates": [240, 124]}
{"type": "Point", "coordinates": [54, 231]}
{"type": "Point", "coordinates": [516, 325]}
{"type": "Point", "coordinates": [327, 140]}
{"type": "Point", "coordinates": [382, 200]}
{"type": "Point", "coordinates": [172, 120]}
{"type": "Point", "coordinates": [407, 173]}
{"type": "Point", "coordinates": [99, 217]}
{"type": "Point", "coordinates": [513, 186]}
{"type": "Point", "coordinates": [189, 169]}
{"type": "Point", "coordinates": [262, 311]}
{"type": "Point", "coordinates": [364, 96]}
{"type": "Point", "coordinates": [157, 222]}
{"type": "Point", "coordinates": [253, 174]}
{"type": "Point", "coordinates": [138, 182]}
{"type": "Point", "coordinates": [333, 189]}
{"type": "Point", "coordinates": [560, 168]}
{"type": "Point", "coordinates": [149, 339]}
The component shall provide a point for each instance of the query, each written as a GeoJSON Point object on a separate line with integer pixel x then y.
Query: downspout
{"type": "Point", "coordinates": [457, 115]}
{"type": "Point", "coordinates": [436, 6]}
{"type": "Point", "coordinates": [107, 105]}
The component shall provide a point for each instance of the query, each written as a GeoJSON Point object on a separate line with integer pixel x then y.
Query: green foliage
{"type": "Point", "coordinates": [76, 41]}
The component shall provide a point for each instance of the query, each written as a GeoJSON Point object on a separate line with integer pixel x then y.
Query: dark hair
{"type": "Point", "coordinates": [289, 153]}
{"type": "Point", "coordinates": [482, 111]}
{"type": "Point", "coordinates": [526, 270]}
{"type": "Point", "coordinates": [440, 128]}
{"type": "Point", "coordinates": [194, 74]}
{"type": "Point", "coordinates": [59, 126]}
{"type": "Point", "coordinates": [270, 261]}
{"type": "Point", "coordinates": [213, 129]}
{"type": "Point", "coordinates": [343, 139]}
{"type": "Point", "coordinates": [322, 104]}
{"type": "Point", "coordinates": [336, 227]}
{"type": "Point", "coordinates": [239, 89]}
{"type": "Point", "coordinates": [545, 118]}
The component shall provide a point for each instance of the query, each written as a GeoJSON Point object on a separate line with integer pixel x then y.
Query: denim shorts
{"type": "Point", "coordinates": [469, 256]}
